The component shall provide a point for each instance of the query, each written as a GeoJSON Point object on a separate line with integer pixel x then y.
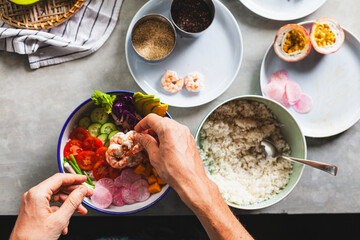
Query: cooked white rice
{"type": "Point", "coordinates": [230, 140]}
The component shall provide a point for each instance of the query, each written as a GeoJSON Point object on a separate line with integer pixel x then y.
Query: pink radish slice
{"type": "Point", "coordinates": [292, 92]}
{"type": "Point", "coordinates": [106, 183]}
{"type": "Point", "coordinates": [117, 198]}
{"type": "Point", "coordinates": [126, 178]}
{"type": "Point", "coordinates": [281, 76]}
{"type": "Point", "coordinates": [139, 190]}
{"type": "Point", "coordinates": [276, 91]}
{"type": "Point", "coordinates": [102, 197]}
{"type": "Point", "coordinates": [126, 195]}
{"type": "Point", "coordinates": [304, 105]}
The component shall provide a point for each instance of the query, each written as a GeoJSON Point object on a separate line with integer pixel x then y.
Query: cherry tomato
{"type": "Point", "coordinates": [79, 133]}
{"type": "Point", "coordinates": [101, 169]}
{"type": "Point", "coordinates": [92, 144]}
{"type": "Point", "coordinates": [114, 172]}
{"type": "Point", "coordinates": [100, 154]}
{"type": "Point", "coordinates": [73, 147]}
{"type": "Point", "coordinates": [86, 160]}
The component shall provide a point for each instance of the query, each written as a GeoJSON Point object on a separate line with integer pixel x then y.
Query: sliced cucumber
{"type": "Point", "coordinates": [112, 133]}
{"type": "Point", "coordinates": [107, 128]}
{"type": "Point", "coordinates": [107, 144]}
{"type": "Point", "coordinates": [94, 129]}
{"type": "Point", "coordinates": [85, 122]}
{"type": "Point", "coordinates": [98, 115]}
{"type": "Point", "coordinates": [103, 137]}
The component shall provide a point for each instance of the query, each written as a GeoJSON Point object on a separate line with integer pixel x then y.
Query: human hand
{"type": "Point", "coordinates": [38, 220]}
{"type": "Point", "coordinates": [173, 152]}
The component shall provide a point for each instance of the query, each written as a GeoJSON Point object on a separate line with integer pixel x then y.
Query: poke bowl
{"type": "Point", "coordinates": [229, 138]}
{"type": "Point", "coordinates": [128, 186]}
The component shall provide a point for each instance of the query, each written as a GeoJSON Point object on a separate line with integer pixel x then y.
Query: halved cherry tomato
{"type": "Point", "coordinates": [86, 160]}
{"type": "Point", "coordinates": [101, 169]}
{"type": "Point", "coordinates": [100, 154]}
{"type": "Point", "coordinates": [92, 144]}
{"type": "Point", "coordinates": [114, 172]}
{"type": "Point", "coordinates": [79, 133]}
{"type": "Point", "coordinates": [73, 147]}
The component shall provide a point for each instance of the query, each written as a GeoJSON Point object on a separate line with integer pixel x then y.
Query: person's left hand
{"type": "Point", "coordinates": [38, 220]}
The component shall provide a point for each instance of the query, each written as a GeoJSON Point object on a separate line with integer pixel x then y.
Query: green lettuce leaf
{"type": "Point", "coordinates": [104, 100]}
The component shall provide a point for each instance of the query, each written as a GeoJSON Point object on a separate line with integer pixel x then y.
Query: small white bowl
{"type": "Point", "coordinates": [69, 125]}
{"type": "Point", "coordinates": [292, 135]}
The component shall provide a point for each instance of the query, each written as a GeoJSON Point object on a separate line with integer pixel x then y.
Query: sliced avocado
{"type": "Point", "coordinates": [137, 95]}
{"type": "Point", "coordinates": [140, 101]}
{"type": "Point", "coordinates": [24, 2]}
{"type": "Point", "coordinates": [149, 105]}
{"type": "Point", "coordinates": [160, 110]}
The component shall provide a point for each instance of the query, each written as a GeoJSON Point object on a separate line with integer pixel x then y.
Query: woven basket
{"type": "Point", "coordinates": [42, 15]}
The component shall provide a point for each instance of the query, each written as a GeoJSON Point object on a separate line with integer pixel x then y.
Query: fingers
{"type": "Point", "coordinates": [149, 143]}
{"type": "Point", "coordinates": [152, 121]}
{"type": "Point", "coordinates": [65, 230]}
{"type": "Point", "coordinates": [61, 197]}
{"type": "Point", "coordinates": [61, 179]}
{"type": "Point", "coordinates": [72, 203]}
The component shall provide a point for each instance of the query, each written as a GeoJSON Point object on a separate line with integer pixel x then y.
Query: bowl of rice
{"type": "Point", "coordinates": [228, 140]}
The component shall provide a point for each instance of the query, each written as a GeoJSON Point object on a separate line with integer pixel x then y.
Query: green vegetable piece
{"type": "Point", "coordinates": [149, 105]}
{"type": "Point", "coordinates": [107, 128]}
{"type": "Point", "coordinates": [24, 2]}
{"type": "Point", "coordinates": [94, 129]}
{"type": "Point", "coordinates": [88, 181]}
{"type": "Point", "coordinates": [85, 122]}
{"type": "Point", "coordinates": [98, 115]}
{"type": "Point", "coordinates": [103, 137]}
{"type": "Point", "coordinates": [107, 144]}
{"type": "Point", "coordinates": [140, 101]}
{"type": "Point", "coordinates": [104, 100]}
{"type": "Point", "coordinates": [137, 95]}
{"type": "Point", "coordinates": [112, 134]}
{"type": "Point", "coordinates": [76, 166]}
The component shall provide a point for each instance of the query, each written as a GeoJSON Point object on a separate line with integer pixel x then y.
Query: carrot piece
{"type": "Point", "coordinates": [147, 170]}
{"type": "Point", "coordinates": [152, 179]}
{"type": "Point", "coordinates": [139, 169]}
{"type": "Point", "coordinates": [154, 188]}
{"type": "Point", "coordinates": [154, 172]}
{"type": "Point", "coordinates": [160, 181]}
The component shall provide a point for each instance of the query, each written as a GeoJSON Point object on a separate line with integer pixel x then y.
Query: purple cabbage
{"type": "Point", "coordinates": [123, 112]}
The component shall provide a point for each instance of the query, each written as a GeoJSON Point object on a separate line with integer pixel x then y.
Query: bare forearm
{"type": "Point", "coordinates": [212, 211]}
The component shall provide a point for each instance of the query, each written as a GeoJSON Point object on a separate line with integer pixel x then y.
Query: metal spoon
{"type": "Point", "coordinates": [271, 150]}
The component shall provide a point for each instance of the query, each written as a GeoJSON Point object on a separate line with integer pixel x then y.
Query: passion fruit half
{"type": "Point", "coordinates": [292, 43]}
{"type": "Point", "coordinates": [24, 2]}
{"type": "Point", "coordinates": [326, 35]}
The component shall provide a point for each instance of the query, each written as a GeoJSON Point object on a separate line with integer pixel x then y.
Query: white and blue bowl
{"type": "Point", "coordinates": [82, 110]}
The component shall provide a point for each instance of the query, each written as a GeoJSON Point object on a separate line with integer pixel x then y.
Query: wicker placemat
{"type": "Point", "coordinates": [42, 15]}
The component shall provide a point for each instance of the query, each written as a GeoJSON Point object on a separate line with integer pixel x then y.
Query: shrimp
{"type": "Point", "coordinates": [194, 82]}
{"type": "Point", "coordinates": [171, 82]}
{"type": "Point", "coordinates": [123, 150]}
{"type": "Point", "coordinates": [135, 159]}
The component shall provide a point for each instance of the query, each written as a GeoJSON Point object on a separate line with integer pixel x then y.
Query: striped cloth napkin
{"type": "Point", "coordinates": [83, 34]}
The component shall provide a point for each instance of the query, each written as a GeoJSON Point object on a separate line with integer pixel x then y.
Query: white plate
{"type": "Point", "coordinates": [217, 54]}
{"type": "Point", "coordinates": [283, 10]}
{"type": "Point", "coordinates": [333, 82]}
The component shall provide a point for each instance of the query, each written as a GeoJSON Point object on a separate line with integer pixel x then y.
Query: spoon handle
{"type": "Point", "coordinates": [332, 169]}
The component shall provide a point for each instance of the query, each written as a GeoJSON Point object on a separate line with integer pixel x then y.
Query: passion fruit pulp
{"type": "Point", "coordinates": [326, 35]}
{"type": "Point", "coordinates": [292, 43]}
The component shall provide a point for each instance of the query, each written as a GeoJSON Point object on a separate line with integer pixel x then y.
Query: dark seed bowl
{"type": "Point", "coordinates": [192, 17]}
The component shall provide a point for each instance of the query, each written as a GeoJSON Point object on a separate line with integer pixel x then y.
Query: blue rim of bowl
{"type": "Point", "coordinates": [248, 207]}
{"type": "Point", "coordinates": [61, 170]}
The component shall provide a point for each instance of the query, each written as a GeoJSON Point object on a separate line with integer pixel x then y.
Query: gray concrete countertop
{"type": "Point", "coordinates": [35, 104]}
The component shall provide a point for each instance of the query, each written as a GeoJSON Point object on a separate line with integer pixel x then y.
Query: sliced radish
{"type": "Point", "coordinates": [102, 197]}
{"type": "Point", "coordinates": [139, 190]}
{"type": "Point", "coordinates": [126, 178]}
{"type": "Point", "coordinates": [276, 91]}
{"type": "Point", "coordinates": [280, 76]}
{"type": "Point", "coordinates": [292, 92]}
{"type": "Point", "coordinates": [106, 183]}
{"type": "Point", "coordinates": [126, 195]}
{"type": "Point", "coordinates": [304, 105]}
{"type": "Point", "coordinates": [117, 198]}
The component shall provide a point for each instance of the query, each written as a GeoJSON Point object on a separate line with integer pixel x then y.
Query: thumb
{"type": "Point", "coordinates": [72, 203]}
{"type": "Point", "coordinates": [149, 143]}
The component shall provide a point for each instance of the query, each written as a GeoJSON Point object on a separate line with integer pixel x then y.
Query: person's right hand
{"type": "Point", "coordinates": [172, 151]}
